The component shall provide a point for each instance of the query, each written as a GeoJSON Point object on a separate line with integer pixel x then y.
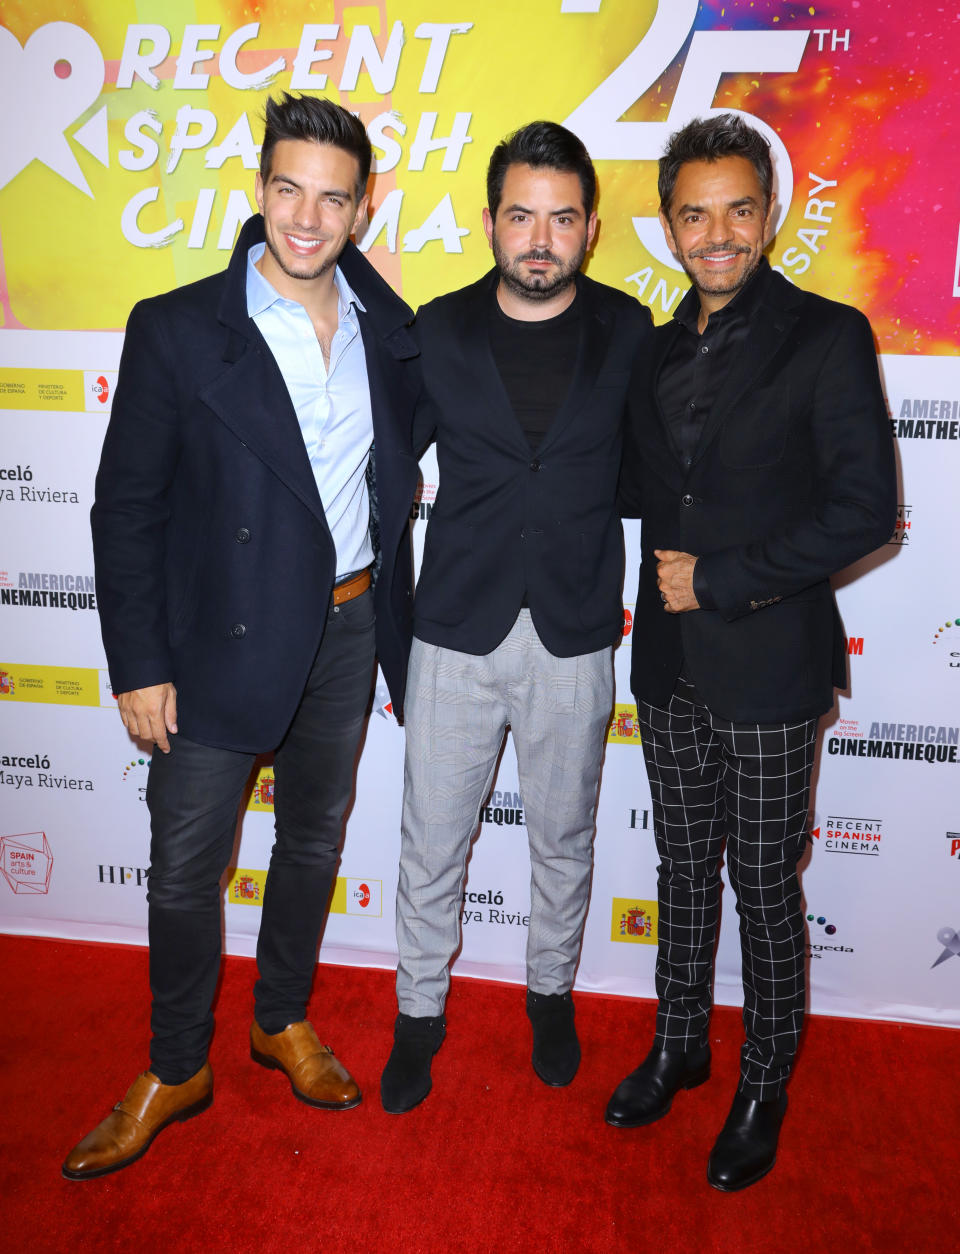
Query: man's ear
{"type": "Point", "coordinates": [591, 229]}
{"type": "Point", "coordinates": [488, 225]}
{"type": "Point", "coordinates": [360, 217]}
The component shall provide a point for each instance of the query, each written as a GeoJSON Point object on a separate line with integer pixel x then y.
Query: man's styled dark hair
{"type": "Point", "coordinates": [543, 145]}
{"type": "Point", "coordinates": [709, 139]}
{"type": "Point", "coordinates": [318, 120]}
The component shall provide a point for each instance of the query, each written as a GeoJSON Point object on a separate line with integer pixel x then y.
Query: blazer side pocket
{"type": "Point", "coordinates": [448, 556]}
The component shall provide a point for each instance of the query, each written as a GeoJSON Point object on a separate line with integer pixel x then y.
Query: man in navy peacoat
{"type": "Point", "coordinates": [251, 542]}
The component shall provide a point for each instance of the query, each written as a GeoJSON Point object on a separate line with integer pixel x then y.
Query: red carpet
{"type": "Point", "coordinates": [492, 1161]}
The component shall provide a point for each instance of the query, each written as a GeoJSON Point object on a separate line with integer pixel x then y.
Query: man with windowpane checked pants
{"type": "Point", "coordinates": [758, 455]}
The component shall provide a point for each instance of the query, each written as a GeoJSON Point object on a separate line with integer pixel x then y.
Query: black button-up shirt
{"type": "Point", "coordinates": [694, 371]}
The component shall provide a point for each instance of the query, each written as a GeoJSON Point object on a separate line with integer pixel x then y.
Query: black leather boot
{"type": "Point", "coordinates": [406, 1077]}
{"type": "Point", "coordinates": [647, 1093]}
{"type": "Point", "coordinates": [746, 1148]}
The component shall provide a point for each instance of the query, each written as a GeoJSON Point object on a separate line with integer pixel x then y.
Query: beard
{"type": "Point", "coordinates": [720, 285]}
{"type": "Point", "coordinates": [322, 267]}
{"type": "Point", "coordinates": [536, 287]}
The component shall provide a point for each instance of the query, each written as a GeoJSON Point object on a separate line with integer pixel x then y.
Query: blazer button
{"type": "Point", "coordinates": [242, 535]}
{"type": "Point", "coordinates": [535, 464]}
{"type": "Point", "coordinates": [686, 499]}
{"type": "Point", "coordinates": [238, 630]}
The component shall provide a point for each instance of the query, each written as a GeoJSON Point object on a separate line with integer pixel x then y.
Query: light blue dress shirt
{"type": "Point", "coordinates": [332, 404]}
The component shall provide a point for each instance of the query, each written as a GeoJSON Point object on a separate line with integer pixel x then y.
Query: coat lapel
{"type": "Point", "coordinates": [251, 397]}
{"type": "Point", "coordinates": [770, 324]}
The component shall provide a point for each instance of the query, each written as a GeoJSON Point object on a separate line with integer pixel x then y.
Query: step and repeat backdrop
{"type": "Point", "coordinates": [126, 168]}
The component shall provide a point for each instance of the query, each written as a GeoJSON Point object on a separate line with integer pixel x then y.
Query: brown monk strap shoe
{"type": "Point", "coordinates": [315, 1075]}
{"type": "Point", "coordinates": [129, 1129]}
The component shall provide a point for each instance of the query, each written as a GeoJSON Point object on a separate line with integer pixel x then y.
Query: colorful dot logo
{"type": "Point", "coordinates": [821, 921]}
{"type": "Point", "coordinates": [946, 627]}
{"type": "Point", "coordinates": [132, 766]}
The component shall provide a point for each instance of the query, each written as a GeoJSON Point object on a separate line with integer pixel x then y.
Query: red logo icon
{"type": "Point", "coordinates": [26, 862]}
{"type": "Point", "coordinates": [362, 895]}
{"type": "Point", "coordinates": [101, 389]}
{"type": "Point", "coordinates": [627, 622]}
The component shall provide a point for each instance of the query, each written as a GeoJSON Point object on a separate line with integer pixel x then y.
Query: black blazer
{"type": "Point", "coordinates": [507, 521]}
{"type": "Point", "coordinates": [792, 480]}
{"type": "Point", "coordinates": [214, 562]}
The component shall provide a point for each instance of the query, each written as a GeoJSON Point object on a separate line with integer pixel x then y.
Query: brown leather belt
{"type": "Point", "coordinates": [351, 588]}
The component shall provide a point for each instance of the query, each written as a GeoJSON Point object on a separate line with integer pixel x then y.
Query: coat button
{"type": "Point", "coordinates": [242, 535]}
{"type": "Point", "coordinates": [238, 630]}
{"type": "Point", "coordinates": [535, 464]}
{"type": "Point", "coordinates": [686, 499]}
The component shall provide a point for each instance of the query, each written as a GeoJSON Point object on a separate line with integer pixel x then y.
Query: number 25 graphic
{"type": "Point", "coordinates": [712, 54]}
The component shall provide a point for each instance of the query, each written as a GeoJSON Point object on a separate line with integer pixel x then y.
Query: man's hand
{"type": "Point", "coordinates": [149, 713]}
{"type": "Point", "coordinates": [675, 580]}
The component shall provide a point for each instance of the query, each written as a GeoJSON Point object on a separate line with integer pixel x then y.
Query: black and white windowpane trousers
{"type": "Point", "coordinates": [712, 780]}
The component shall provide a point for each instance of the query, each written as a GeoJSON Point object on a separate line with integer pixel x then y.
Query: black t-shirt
{"type": "Point", "coordinates": [536, 361]}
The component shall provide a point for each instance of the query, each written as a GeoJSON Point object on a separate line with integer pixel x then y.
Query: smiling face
{"type": "Point", "coordinates": [309, 206]}
{"type": "Point", "coordinates": [541, 233]}
{"type": "Point", "coordinates": [718, 226]}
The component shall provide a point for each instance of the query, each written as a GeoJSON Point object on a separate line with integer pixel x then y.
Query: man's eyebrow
{"type": "Point", "coordinates": [731, 204]}
{"type": "Point", "coordinates": [569, 210]}
{"type": "Point", "coordinates": [330, 191]}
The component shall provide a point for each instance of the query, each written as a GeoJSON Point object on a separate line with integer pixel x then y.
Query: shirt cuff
{"type": "Point", "coordinates": [701, 588]}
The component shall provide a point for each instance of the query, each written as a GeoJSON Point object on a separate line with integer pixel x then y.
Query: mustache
{"type": "Point", "coordinates": [540, 254]}
{"type": "Point", "coordinates": [728, 246]}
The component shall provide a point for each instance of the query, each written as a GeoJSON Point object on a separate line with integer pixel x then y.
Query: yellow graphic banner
{"type": "Point", "coordinates": [143, 121]}
{"type": "Point", "coordinates": [633, 921]}
{"type": "Point", "coordinates": [41, 389]}
{"type": "Point", "coordinates": [49, 685]}
{"type": "Point", "coordinates": [624, 729]}
{"type": "Point", "coordinates": [246, 886]}
{"type": "Point", "coordinates": [351, 895]}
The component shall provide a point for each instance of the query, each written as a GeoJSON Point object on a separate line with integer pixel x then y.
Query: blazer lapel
{"type": "Point", "coordinates": [654, 434]}
{"type": "Point", "coordinates": [770, 324]}
{"type": "Point", "coordinates": [594, 338]}
{"type": "Point", "coordinates": [482, 375]}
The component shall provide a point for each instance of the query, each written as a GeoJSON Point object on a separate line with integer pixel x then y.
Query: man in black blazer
{"type": "Point", "coordinates": [759, 458]}
{"type": "Point", "coordinates": [519, 602]}
{"type": "Point", "coordinates": [241, 513]}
